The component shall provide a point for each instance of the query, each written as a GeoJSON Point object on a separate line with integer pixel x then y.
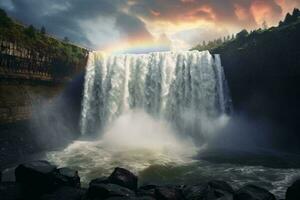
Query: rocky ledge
{"type": "Point", "coordinates": [43, 181]}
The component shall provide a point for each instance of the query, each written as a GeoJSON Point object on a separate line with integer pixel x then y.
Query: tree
{"type": "Point", "coordinates": [243, 34]}
{"type": "Point", "coordinates": [5, 21]}
{"type": "Point", "coordinates": [288, 19]}
{"type": "Point", "coordinates": [43, 30]}
{"type": "Point", "coordinates": [30, 31]}
{"type": "Point", "coordinates": [296, 12]}
{"type": "Point", "coordinates": [66, 40]}
{"type": "Point", "coordinates": [264, 25]}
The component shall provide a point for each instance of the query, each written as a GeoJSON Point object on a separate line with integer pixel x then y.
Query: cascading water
{"type": "Point", "coordinates": [179, 87]}
{"type": "Point", "coordinates": [153, 112]}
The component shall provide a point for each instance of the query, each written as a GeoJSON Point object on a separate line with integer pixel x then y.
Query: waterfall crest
{"type": "Point", "coordinates": [178, 87]}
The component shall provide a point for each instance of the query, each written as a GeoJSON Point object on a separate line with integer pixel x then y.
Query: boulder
{"type": "Point", "coordinates": [9, 191]}
{"type": "Point", "coordinates": [146, 191]}
{"type": "Point", "coordinates": [121, 198]}
{"type": "Point", "coordinates": [35, 178]}
{"type": "Point", "coordinates": [252, 192]}
{"type": "Point", "coordinates": [221, 185]}
{"type": "Point", "coordinates": [65, 193]}
{"type": "Point", "coordinates": [67, 177]}
{"type": "Point", "coordinates": [123, 177]}
{"type": "Point", "coordinates": [293, 192]}
{"type": "Point", "coordinates": [167, 193]}
{"type": "Point", "coordinates": [130, 198]}
{"type": "Point", "coordinates": [211, 191]}
{"type": "Point", "coordinates": [101, 190]}
{"type": "Point", "coordinates": [99, 180]}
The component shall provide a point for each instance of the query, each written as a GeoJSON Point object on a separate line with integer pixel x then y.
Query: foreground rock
{"type": "Point", "coordinates": [168, 193]}
{"type": "Point", "coordinates": [44, 181]}
{"type": "Point", "coordinates": [103, 191]}
{"type": "Point", "coordinates": [252, 192]}
{"type": "Point", "coordinates": [293, 192]}
{"type": "Point", "coordinates": [68, 177]}
{"type": "Point", "coordinates": [10, 191]}
{"type": "Point", "coordinates": [210, 191]}
{"type": "Point", "coordinates": [65, 193]}
{"type": "Point", "coordinates": [40, 177]}
{"type": "Point", "coordinates": [123, 177]}
{"type": "Point", "coordinates": [35, 178]}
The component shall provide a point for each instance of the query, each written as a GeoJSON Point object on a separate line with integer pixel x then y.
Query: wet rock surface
{"type": "Point", "coordinates": [252, 192]}
{"type": "Point", "coordinates": [123, 177]}
{"type": "Point", "coordinates": [293, 192]}
{"type": "Point", "coordinates": [43, 181]}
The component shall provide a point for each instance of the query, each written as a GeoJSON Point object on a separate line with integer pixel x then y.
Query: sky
{"type": "Point", "coordinates": [136, 25]}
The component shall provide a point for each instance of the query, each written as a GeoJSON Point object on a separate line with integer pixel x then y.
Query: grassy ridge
{"type": "Point", "coordinates": [63, 54]}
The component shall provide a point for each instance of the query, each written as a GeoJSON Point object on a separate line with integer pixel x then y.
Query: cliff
{"type": "Point", "coordinates": [34, 67]}
{"type": "Point", "coordinates": [263, 73]}
{"type": "Point", "coordinates": [39, 104]}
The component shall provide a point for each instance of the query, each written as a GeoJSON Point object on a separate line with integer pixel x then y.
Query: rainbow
{"type": "Point", "coordinates": [136, 47]}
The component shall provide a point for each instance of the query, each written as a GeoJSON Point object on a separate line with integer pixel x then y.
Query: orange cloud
{"type": "Point", "coordinates": [155, 13]}
{"type": "Point", "coordinates": [261, 11]}
{"type": "Point", "coordinates": [241, 12]}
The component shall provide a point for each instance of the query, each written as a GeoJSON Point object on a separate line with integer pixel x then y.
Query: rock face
{"type": "Point", "coordinates": [68, 177]}
{"type": "Point", "coordinates": [124, 178]}
{"type": "Point", "coordinates": [168, 193]}
{"type": "Point", "coordinates": [293, 192]}
{"type": "Point", "coordinates": [10, 191]}
{"type": "Point", "coordinates": [35, 177]}
{"type": "Point", "coordinates": [252, 192]}
{"type": "Point", "coordinates": [262, 71]}
{"type": "Point", "coordinates": [65, 193]}
{"type": "Point", "coordinates": [108, 190]}
{"type": "Point", "coordinates": [43, 181]}
{"type": "Point", "coordinates": [210, 191]}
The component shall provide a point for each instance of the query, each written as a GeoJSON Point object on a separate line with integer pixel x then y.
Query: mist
{"type": "Point", "coordinates": [54, 123]}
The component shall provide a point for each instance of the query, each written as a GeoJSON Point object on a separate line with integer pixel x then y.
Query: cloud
{"type": "Point", "coordinates": [96, 23]}
{"type": "Point", "coordinates": [132, 26]}
{"type": "Point", "coordinates": [72, 18]}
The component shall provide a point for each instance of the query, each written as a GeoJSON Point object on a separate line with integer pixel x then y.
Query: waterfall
{"type": "Point", "coordinates": [179, 87]}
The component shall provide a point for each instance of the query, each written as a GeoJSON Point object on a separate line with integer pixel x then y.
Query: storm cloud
{"type": "Point", "coordinates": [97, 23]}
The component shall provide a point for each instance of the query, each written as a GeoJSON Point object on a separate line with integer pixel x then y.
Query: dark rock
{"type": "Point", "coordinates": [65, 193]}
{"type": "Point", "coordinates": [293, 192]}
{"type": "Point", "coordinates": [100, 190]}
{"type": "Point", "coordinates": [210, 191]}
{"type": "Point", "coordinates": [259, 86]}
{"type": "Point", "coordinates": [146, 190]}
{"type": "Point", "coordinates": [221, 185]}
{"type": "Point", "coordinates": [130, 198]}
{"type": "Point", "coordinates": [167, 193]}
{"type": "Point", "coordinates": [145, 198]}
{"type": "Point", "coordinates": [9, 191]}
{"type": "Point", "coordinates": [67, 177]}
{"type": "Point", "coordinates": [123, 177]}
{"type": "Point", "coordinates": [148, 187]}
{"type": "Point", "coordinates": [99, 180]}
{"type": "Point", "coordinates": [121, 198]}
{"type": "Point", "coordinates": [35, 177]}
{"type": "Point", "coordinates": [252, 192]}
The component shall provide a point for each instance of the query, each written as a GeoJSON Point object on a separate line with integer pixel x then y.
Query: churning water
{"type": "Point", "coordinates": [152, 114]}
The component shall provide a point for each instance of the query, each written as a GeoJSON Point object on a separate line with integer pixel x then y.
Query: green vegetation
{"type": "Point", "coordinates": [262, 68]}
{"type": "Point", "coordinates": [213, 44]}
{"type": "Point", "coordinates": [243, 37]}
{"type": "Point", "coordinates": [63, 55]}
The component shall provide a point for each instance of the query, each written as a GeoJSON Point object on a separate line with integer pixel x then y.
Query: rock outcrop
{"type": "Point", "coordinates": [293, 192]}
{"type": "Point", "coordinates": [42, 180]}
